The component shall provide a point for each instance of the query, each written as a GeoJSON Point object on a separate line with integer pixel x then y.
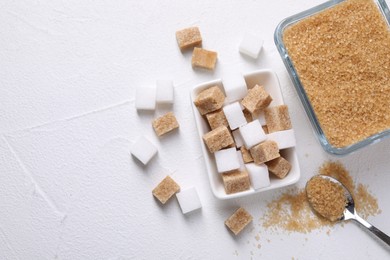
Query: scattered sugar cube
{"type": "Point", "coordinates": [277, 118]}
{"type": "Point", "coordinates": [227, 160]}
{"type": "Point", "coordinates": [216, 119]}
{"type": "Point", "coordinates": [234, 115]}
{"type": "Point", "coordinates": [237, 138]}
{"type": "Point", "coordinates": [188, 37]}
{"type": "Point", "coordinates": [209, 100]}
{"type": "Point", "coordinates": [256, 100]}
{"type": "Point", "coordinates": [218, 138]}
{"type": "Point", "coordinates": [236, 181]}
{"type": "Point", "coordinates": [145, 98]}
{"type": "Point", "coordinates": [235, 87]}
{"type": "Point", "coordinates": [165, 189]}
{"type": "Point", "coordinates": [252, 134]}
{"type": "Point", "coordinates": [251, 45]}
{"type": "Point", "coordinates": [258, 175]}
{"type": "Point", "coordinates": [264, 152]}
{"type": "Point", "coordinates": [165, 124]}
{"type": "Point", "coordinates": [246, 155]}
{"type": "Point", "coordinates": [188, 200]}
{"type": "Point", "coordinates": [238, 221]}
{"type": "Point", "coordinates": [204, 59]}
{"type": "Point", "coordinates": [248, 115]}
{"type": "Point", "coordinates": [143, 150]}
{"type": "Point", "coordinates": [284, 139]}
{"type": "Point", "coordinates": [164, 90]}
{"type": "Point", "coordinates": [279, 166]}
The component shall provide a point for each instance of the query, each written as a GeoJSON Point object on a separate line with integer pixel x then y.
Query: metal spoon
{"type": "Point", "coordinates": [350, 212]}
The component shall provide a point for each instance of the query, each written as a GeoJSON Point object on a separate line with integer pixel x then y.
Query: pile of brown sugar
{"type": "Point", "coordinates": [291, 212]}
{"type": "Point", "coordinates": [326, 197]}
{"type": "Point", "coordinates": [342, 58]}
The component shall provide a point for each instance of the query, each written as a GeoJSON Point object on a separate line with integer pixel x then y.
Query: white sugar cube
{"type": "Point", "coordinates": [261, 118]}
{"type": "Point", "coordinates": [252, 134]}
{"type": "Point", "coordinates": [251, 45]}
{"type": "Point", "coordinates": [237, 138]}
{"type": "Point", "coordinates": [227, 160]}
{"type": "Point", "coordinates": [284, 139]}
{"type": "Point", "coordinates": [258, 175]}
{"type": "Point", "coordinates": [234, 115]}
{"type": "Point", "coordinates": [164, 91]}
{"type": "Point", "coordinates": [143, 150]}
{"type": "Point", "coordinates": [241, 161]}
{"type": "Point", "coordinates": [235, 87]}
{"type": "Point", "coordinates": [145, 98]}
{"type": "Point", "coordinates": [188, 200]}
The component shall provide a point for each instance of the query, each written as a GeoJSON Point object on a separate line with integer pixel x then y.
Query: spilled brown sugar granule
{"type": "Point", "coordinates": [292, 213]}
{"type": "Point", "coordinates": [342, 59]}
{"type": "Point", "coordinates": [364, 197]}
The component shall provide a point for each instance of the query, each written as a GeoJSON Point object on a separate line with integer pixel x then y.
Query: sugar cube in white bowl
{"type": "Point", "coordinates": [261, 118]}
{"type": "Point", "coordinates": [284, 139]}
{"type": "Point", "coordinates": [251, 45]}
{"type": "Point", "coordinates": [252, 134]}
{"type": "Point", "coordinates": [241, 161]}
{"type": "Point", "coordinates": [237, 138]}
{"type": "Point", "coordinates": [164, 93]}
{"type": "Point", "coordinates": [269, 80]}
{"type": "Point", "coordinates": [188, 200]}
{"type": "Point", "coordinates": [143, 150]}
{"type": "Point", "coordinates": [227, 160]}
{"type": "Point", "coordinates": [235, 87]}
{"type": "Point", "coordinates": [145, 98]}
{"type": "Point", "coordinates": [259, 175]}
{"type": "Point", "coordinates": [234, 115]}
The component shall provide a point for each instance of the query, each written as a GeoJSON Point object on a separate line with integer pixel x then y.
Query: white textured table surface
{"type": "Point", "coordinates": [69, 188]}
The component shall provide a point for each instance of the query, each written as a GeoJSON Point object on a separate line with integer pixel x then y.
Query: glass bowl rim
{"type": "Point", "coordinates": [278, 38]}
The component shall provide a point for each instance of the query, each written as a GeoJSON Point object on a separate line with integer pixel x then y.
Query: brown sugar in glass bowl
{"type": "Point", "coordinates": [338, 56]}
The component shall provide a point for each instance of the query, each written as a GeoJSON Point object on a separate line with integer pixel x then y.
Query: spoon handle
{"type": "Point", "coordinates": [385, 238]}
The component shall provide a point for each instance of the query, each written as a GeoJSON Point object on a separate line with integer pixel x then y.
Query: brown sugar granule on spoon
{"type": "Point", "coordinates": [291, 211]}
{"type": "Point", "coordinates": [342, 58]}
{"type": "Point", "coordinates": [326, 197]}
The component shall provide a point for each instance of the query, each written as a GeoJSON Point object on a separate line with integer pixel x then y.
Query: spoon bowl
{"type": "Point", "coordinates": [350, 211]}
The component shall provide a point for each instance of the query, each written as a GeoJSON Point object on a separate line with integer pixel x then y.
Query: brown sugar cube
{"type": "Point", "coordinates": [204, 59]}
{"type": "Point", "coordinates": [256, 100]}
{"type": "Point", "coordinates": [165, 124]}
{"type": "Point", "coordinates": [265, 129]}
{"type": "Point", "coordinates": [233, 145]}
{"type": "Point", "coordinates": [218, 138]}
{"type": "Point", "coordinates": [188, 37]}
{"type": "Point", "coordinates": [246, 156]}
{"type": "Point", "coordinates": [277, 118]}
{"type": "Point", "coordinates": [216, 119]}
{"type": "Point", "coordinates": [248, 115]}
{"type": "Point", "coordinates": [279, 166]}
{"type": "Point", "coordinates": [165, 189]}
{"type": "Point", "coordinates": [264, 152]}
{"type": "Point", "coordinates": [209, 100]}
{"type": "Point", "coordinates": [236, 181]}
{"type": "Point", "coordinates": [239, 220]}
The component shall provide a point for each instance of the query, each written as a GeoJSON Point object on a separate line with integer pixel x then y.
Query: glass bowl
{"type": "Point", "coordinates": [295, 77]}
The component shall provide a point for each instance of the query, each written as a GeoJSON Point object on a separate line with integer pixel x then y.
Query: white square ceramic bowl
{"type": "Point", "coordinates": [269, 80]}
